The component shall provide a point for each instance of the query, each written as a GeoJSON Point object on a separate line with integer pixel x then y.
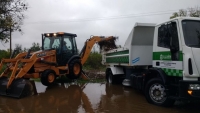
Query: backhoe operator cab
{"type": "Point", "coordinates": [63, 43]}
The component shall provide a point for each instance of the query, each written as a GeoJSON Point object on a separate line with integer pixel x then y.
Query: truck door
{"type": "Point", "coordinates": [191, 33]}
{"type": "Point", "coordinates": [167, 53]}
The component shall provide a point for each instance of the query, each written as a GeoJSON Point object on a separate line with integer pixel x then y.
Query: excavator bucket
{"type": "Point", "coordinates": [108, 44]}
{"type": "Point", "coordinates": [18, 89]}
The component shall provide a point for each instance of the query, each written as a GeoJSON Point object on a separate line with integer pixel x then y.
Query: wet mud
{"type": "Point", "coordinates": [89, 98]}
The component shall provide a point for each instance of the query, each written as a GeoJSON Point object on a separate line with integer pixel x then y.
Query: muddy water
{"type": "Point", "coordinates": [88, 98]}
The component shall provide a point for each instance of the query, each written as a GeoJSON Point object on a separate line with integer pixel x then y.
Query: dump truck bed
{"type": "Point", "coordinates": [137, 50]}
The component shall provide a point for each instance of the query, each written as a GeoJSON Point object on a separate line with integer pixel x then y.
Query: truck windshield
{"type": "Point", "coordinates": [191, 32]}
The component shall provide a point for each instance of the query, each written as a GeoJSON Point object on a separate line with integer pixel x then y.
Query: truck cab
{"type": "Point", "coordinates": [178, 41]}
{"type": "Point", "coordinates": [176, 51]}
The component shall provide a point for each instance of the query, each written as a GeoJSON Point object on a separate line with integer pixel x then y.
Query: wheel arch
{"type": "Point", "coordinates": [73, 57]}
{"type": "Point", "coordinates": [156, 73]}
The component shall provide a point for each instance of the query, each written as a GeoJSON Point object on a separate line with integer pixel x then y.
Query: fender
{"type": "Point", "coordinates": [117, 70]}
{"type": "Point", "coordinates": [73, 57]}
{"type": "Point", "coordinates": [107, 70]}
{"type": "Point", "coordinates": [159, 73]}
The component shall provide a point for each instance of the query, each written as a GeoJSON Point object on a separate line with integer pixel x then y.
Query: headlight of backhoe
{"type": "Point", "coordinates": [194, 86]}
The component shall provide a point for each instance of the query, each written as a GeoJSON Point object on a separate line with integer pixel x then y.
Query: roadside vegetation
{"type": "Point", "coordinates": [94, 62]}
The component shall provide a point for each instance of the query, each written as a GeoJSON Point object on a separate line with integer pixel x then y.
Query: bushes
{"type": "Point", "coordinates": [4, 54]}
{"type": "Point", "coordinates": [93, 62]}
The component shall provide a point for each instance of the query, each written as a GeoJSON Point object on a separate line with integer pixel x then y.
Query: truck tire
{"type": "Point", "coordinates": [48, 77]}
{"type": "Point", "coordinates": [110, 78]}
{"type": "Point", "coordinates": [155, 93]}
{"type": "Point", "coordinates": [75, 68]}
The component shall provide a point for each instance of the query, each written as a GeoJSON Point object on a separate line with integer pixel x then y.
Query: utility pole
{"type": "Point", "coordinates": [10, 41]}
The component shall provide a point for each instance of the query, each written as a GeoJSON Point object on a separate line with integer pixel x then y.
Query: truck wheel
{"type": "Point", "coordinates": [155, 93]}
{"type": "Point", "coordinates": [75, 68]}
{"type": "Point", "coordinates": [48, 77]}
{"type": "Point", "coordinates": [110, 77]}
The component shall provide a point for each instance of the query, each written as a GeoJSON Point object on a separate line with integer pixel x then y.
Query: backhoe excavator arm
{"type": "Point", "coordinates": [85, 52]}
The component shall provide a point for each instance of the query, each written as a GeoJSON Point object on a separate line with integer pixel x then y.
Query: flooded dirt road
{"type": "Point", "coordinates": [88, 98]}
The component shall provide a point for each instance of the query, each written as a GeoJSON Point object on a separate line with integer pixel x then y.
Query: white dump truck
{"type": "Point", "coordinates": [162, 60]}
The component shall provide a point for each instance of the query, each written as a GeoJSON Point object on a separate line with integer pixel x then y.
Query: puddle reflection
{"type": "Point", "coordinates": [90, 98]}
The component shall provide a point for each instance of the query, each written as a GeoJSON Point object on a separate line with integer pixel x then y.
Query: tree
{"type": "Point", "coordinates": [192, 12]}
{"type": "Point", "coordinates": [35, 46]}
{"type": "Point", "coordinates": [25, 49]}
{"type": "Point", "coordinates": [18, 49]}
{"type": "Point", "coordinates": [11, 17]}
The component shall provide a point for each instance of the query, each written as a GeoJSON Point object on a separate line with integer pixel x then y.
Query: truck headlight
{"type": "Point", "coordinates": [194, 86]}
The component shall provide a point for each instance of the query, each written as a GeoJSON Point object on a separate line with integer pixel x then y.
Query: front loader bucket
{"type": "Point", "coordinates": [18, 89]}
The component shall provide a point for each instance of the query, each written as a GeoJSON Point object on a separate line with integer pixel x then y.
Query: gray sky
{"type": "Point", "coordinates": [92, 17]}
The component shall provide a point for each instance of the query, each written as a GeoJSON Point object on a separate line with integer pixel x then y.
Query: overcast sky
{"type": "Point", "coordinates": [92, 17]}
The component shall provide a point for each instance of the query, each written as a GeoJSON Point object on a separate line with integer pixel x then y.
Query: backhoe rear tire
{"type": "Point", "coordinates": [75, 68]}
{"type": "Point", "coordinates": [48, 77]}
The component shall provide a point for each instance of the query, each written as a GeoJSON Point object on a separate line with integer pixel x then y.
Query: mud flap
{"type": "Point", "coordinates": [18, 89]}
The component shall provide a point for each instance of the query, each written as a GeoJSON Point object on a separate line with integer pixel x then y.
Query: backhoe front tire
{"type": "Point", "coordinates": [75, 68]}
{"type": "Point", "coordinates": [48, 77]}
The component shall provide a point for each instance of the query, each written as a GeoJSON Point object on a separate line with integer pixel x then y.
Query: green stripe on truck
{"type": "Point", "coordinates": [122, 59]}
{"type": "Point", "coordinates": [118, 53]}
{"type": "Point", "coordinates": [173, 72]}
{"type": "Point", "coordinates": [165, 55]}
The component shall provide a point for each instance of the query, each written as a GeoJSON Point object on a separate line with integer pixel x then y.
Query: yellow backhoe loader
{"type": "Point", "coordinates": [58, 57]}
